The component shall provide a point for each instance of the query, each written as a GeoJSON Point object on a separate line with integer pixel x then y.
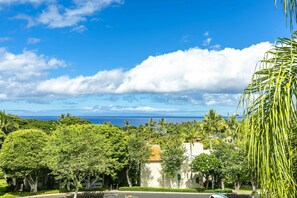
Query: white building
{"type": "Point", "coordinates": [151, 174]}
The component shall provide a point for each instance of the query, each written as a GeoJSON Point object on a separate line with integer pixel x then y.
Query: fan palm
{"type": "Point", "coordinates": [270, 114]}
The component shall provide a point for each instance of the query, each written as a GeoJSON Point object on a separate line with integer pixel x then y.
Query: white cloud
{"type": "Point", "coordinates": [119, 108]}
{"type": "Point", "coordinates": [200, 76]}
{"type": "Point", "coordinates": [102, 82]}
{"type": "Point", "coordinates": [33, 40]}
{"type": "Point", "coordinates": [57, 15]}
{"type": "Point", "coordinates": [19, 73]}
{"type": "Point", "coordinates": [208, 73]}
{"type": "Point", "coordinates": [221, 99]}
{"type": "Point", "coordinates": [195, 70]}
{"type": "Point", "coordinates": [3, 96]}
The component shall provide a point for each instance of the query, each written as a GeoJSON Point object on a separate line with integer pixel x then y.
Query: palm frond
{"type": "Point", "coordinates": [289, 8]}
{"type": "Point", "coordinates": [270, 102]}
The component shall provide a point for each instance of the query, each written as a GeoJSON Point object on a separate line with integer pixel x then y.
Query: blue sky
{"type": "Point", "coordinates": [132, 57]}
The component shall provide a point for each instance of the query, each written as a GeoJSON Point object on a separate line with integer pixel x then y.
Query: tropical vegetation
{"type": "Point", "coordinates": [72, 154]}
{"type": "Point", "coordinates": [270, 115]}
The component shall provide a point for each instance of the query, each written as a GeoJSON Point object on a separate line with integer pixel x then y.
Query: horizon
{"type": "Point", "coordinates": [133, 58]}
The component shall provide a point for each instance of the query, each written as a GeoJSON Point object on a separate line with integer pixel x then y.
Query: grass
{"type": "Point", "coordinates": [137, 188]}
{"type": "Point", "coordinates": [4, 194]}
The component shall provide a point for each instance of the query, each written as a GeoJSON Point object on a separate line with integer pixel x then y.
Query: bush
{"type": "Point", "coordinates": [226, 190]}
{"type": "Point", "coordinates": [1, 175]}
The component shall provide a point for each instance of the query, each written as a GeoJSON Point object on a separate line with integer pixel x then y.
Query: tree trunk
{"type": "Point", "coordinates": [213, 182]}
{"type": "Point", "coordinates": [223, 184]}
{"type": "Point", "coordinates": [75, 193]}
{"type": "Point", "coordinates": [207, 183]}
{"type": "Point", "coordinates": [191, 157]}
{"type": "Point", "coordinates": [170, 182]}
{"type": "Point", "coordinates": [254, 186]}
{"type": "Point", "coordinates": [33, 184]}
{"type": "Point", "coordinates": [88, 184]}
{"type": "Point", "coordinates": [128, 178]}
{"type": "Point", "coordinates": [237, 185]}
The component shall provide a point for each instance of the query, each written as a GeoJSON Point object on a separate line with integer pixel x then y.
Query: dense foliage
{"type": "Point", "coordinates": [78, 154]}
{"type": "Point", "coordinates": [22, 155]}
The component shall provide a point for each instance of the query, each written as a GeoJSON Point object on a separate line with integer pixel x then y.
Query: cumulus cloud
{"type": "Point", "coordinates": [102, 82]}
{"type": "Point", "coordinates": [58, 15]}
{"type": "Point", "coordinates": [195, 76]}
{"type": "Point", "coordinates": [212, 76]}
{"type": "Point", "coordinates": [20, 73]}
{"type": "Point", "coordinates": [195, 70]}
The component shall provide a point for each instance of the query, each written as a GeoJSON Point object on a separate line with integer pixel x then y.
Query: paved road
{"type": "Point", "coordinates": [157, 195]}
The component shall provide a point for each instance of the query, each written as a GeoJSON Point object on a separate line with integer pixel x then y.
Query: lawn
{"type": "Point", "coordinates": [4, 194]}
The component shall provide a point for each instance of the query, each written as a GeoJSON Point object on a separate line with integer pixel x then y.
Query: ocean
{"type": "Point", "coordinates": [119, 120]}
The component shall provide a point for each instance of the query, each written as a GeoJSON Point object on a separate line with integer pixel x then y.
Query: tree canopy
{"type": "Point", "coordinates": [22, 154]}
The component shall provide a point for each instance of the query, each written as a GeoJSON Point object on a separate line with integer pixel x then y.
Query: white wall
{"type": "Point", "coordinates": [151, 174]}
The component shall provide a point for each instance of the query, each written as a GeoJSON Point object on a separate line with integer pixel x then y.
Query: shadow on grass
{"type": "Point", "coordinates": [87, 195]}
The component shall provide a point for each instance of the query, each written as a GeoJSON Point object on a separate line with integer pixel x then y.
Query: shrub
{"type": "Point", "coordinates": [226, 190]}
{"type": "Point", "coordinates": [1, 175]}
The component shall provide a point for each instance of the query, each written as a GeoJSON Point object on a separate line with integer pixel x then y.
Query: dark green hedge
{"type": "Point", "coordinates": [137, 188]}
{"type": "Point", "coordinates": [226, 190]}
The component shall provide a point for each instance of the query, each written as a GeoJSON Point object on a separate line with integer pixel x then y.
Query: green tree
{"type": "Point", "coordinates": [46, 126]}
{"type": "Point", "coordinates": [117, 138]}
{"type": "Point", "coordinates": [138, 153]}
{"type": "Point", "coordinates": [232, 127]}
{"type": "Point", "coordinates": [7, 122]}
{"type": "Point", "coordinates": [22, 155]}
{"type": "Point", "coordinates": [2, 138]}
{"type": "Point", "coordinates": [173, 156]}
{"type": "Point", "coordinates": [71, 120]}
{"type": "Point", "coordinates": [233, 162]}
{"type": "Point", "coordinates": [208, 165]}
{"type": "Point", "coordinates": [77, 151]}
{"type": "Point", "coordinates": [213, 126]}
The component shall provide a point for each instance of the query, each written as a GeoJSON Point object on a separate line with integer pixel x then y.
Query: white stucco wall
{"type": "Point", "coordinates": [151, 174]}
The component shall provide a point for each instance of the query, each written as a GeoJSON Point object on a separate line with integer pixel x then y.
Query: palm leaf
{"type": "Point", "coordinates": [290, 8]}
{"type": "Point", "coordinates": [270, 110]}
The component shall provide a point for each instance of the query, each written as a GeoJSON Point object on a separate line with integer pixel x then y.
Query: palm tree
{"type": "Point", "coordinates": [290, 8]}
{"type": "Point", "coordinates": [213, 126]}
{"type": "Point", "coordinates": [232, 127]}
{"type": "Point", "coordinates": [4, 122]}
{"type": "Point", "coordinates": [270, 115]}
